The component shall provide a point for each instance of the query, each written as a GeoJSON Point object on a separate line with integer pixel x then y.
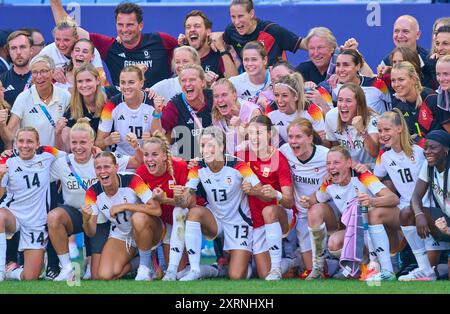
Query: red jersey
{"type": "Point", "coordinates": [166, 182]}
{"type": "Point", "coordinates": [274, 171]}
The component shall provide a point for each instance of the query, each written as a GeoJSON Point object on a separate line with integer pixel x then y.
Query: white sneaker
{"type": "Point", "coordinates": [87, 272]}
{"type": "Point", "coordinates": [169, 276]}
{"type": "Point", "coordinates": [73, 251]}
{"type": "Point", "coordinates": [143, 274]}
{"type": "Point", "coordinates": [274, 274]}
{"type": "Point", "coordinates": [2, 276]}
{"type": "Point", "coordinates": [418, 274]}
{"type": "Point", "coordinates": [190, 276]}
{"type": "Point", "coordinates": [66, 274]}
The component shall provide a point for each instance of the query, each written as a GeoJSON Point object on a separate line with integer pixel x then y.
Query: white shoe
{"type": "Point", "coordinates": [66, 274]}
{"type": "Point", "coordinates": [143, 274]}
{"type": "Point", "coordinates": [383, 275]}
{"type": "Point", "coordinates": [274, 274]}
{"type": "Point", "coordinates": [87, 273]}
{"type": "Point", "coordinates": [170, 276]}
{"type": "Point", "coordinates": [2, 276]}
{"type": "Point", "coordinates": [191, 275]}
{"type": "Point", "coordinates": [418, 274]}
{"type": "Point", "coordinates": [73, 251]}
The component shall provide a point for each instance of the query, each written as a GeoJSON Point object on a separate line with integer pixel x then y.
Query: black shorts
{"type": "Point", "coordinates": [438, 213]}
{"type": "Point", "coordinates": [75, 216]}
{"type": "Point", "coordinates": [95, 244]}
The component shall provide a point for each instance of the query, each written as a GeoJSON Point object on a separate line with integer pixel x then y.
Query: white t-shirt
{"type": "Point", "coordinates": [247, 90]}
{"type": "Point", "coordinates": [60, 60]}
{"type": "Point", "coordinates": [167, 88]}
{"type": "Point", "coordinates": [307, 176]}
{"type": "Point", "coordinates": [27, 184]}
{"type": "Point", "coordinates": [27, 108]}
{"type": "Point", "coordinates": [342, 195]}
{"type": "Point", "coordinates": [123, 119]}
{"type": "Point", "coordinates": [73, 193]}
{"type": "Point", "coordinates": [402, 170]}
{"type": "Point", "coordinates": [437, 187]}
{"type": "Point", "coordinates": [349, 138]}
{"type": "Point", "coordinates": [281, 120]}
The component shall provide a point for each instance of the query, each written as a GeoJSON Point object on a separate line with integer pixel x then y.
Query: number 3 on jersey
{"type": "Point", "coordinates": [220, 195]}
{"type": "Point", "coordinates": [242, 231]}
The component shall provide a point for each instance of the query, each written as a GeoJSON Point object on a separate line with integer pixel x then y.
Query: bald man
{"type": "Point", "coordinates": [406, 33]}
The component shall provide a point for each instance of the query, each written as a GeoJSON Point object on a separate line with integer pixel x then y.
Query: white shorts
{"type": "Point", "coordinates": [302, 230]}
{"type": "Point", "coordinates": [259, 234]}
{"type": "Point", "coordinates": [237, 235]}
{"type": "Point", "coordinates": [434, 245]}
{"type": "Point", "coordinates": [31, 237]}
{"type": "Point", "coordinates": [127, 238]}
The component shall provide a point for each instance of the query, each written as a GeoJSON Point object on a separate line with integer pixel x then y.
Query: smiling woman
{"type": "Point", "coordinates": [41, 105]}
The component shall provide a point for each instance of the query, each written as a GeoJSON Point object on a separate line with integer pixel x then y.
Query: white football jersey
{"type": "Point", "coordinates": [224, 188]}
{"type": "Point", "coordinates": [27, 184]}
{"type": "Point", "coordinates": [306, 176]}
{"type": "Point", "coordinates": [132, 189]}
{"type": "Point", "coordinates": [349, 138]}
{"type": "Point", "coordinates": [403, 171]}
{"type": "Point", "coordinates": [437, 187]}
{"type": "Point", "coordinates": [281, 120]}
{"type": "Point", "coordinates": [246, 90]}
{"type": "Point", "coordinates": [123, 119]}
{"type": "Point", "coordinates": [342, 195]}
{"type": "Point", "coordinates": [73, 193]}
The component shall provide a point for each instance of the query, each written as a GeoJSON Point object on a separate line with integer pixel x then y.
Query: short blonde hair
{"type": "Point", "coordinates": [321, 32]}
{"type": "Point", "coordinates": [194, 55]}
{"type": "Point", "coordinates": [43, 58]}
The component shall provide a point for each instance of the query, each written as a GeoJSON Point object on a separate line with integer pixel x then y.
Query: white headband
{"type": "Point", "coordinates": [288, 86]}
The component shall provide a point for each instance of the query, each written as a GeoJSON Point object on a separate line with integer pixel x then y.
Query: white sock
{"type": "Point", "coordinates": [16, 273]}
{"type": "Point", "coordinates": [274, 237]}
{"type": "Point", "coordinates": [380, 242]}
{"type": "Point", "coordinates": [2, 252]}
{"type": "Point", "coordinates": [64, 259]}
{"type": "Point", "coordinates": [208, 271]}
{"type": "Point", "coordinates": [145, 257]}
{"type": "Point", "coordinates": [177, 239]}
{"type": "Point", "coordinates": [318, 238]}
{"type": "Point", "coordinates": [193, 239]}
{"type": "Point", "coordinates": [417, 245]}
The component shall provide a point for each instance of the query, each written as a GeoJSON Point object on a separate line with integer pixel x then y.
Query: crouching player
{"type": "Point", "coordinates": [126, 201]}
{"type": "Point", "coordinates": [343, 188]}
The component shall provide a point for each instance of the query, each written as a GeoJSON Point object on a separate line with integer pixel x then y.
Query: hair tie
{"type": "Point", "coordinates": [288, 86]}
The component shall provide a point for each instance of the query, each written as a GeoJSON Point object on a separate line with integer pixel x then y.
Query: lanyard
{"type": "Point", "coordinates": [191, 111]}
{"type": "Point", "coordinates": [264, 86]}
{"type": "Point", "coordinates": [47, 114]}
{"type": "Point", "coordinates": [75, 174]}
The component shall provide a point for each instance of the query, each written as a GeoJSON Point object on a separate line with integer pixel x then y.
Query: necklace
{"type": "Point", "coordinates": [47, 99]}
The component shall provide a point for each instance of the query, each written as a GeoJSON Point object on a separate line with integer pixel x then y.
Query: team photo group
{"type": "Point", "coordinates": [150, 145]}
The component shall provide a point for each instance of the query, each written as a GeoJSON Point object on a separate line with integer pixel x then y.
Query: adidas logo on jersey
{"type": "Point", "coordinates": [243, 243]}
{"type": "Point", "coordinates": [208, 181]}
{"type": "Point", "coordinates": [105, 207]}
{"type": "Point", "coordinates": [436, 243]}
{"type": "Point", "coordinates": [9, 88]}
{"type": "Point", "coordinates": [392, 164]}
{"type": "Point", "coordinates": [280, 123]}
{"type": "Point", "coordinates": [293, 167]}
{"type": "Point", "coordinates": [190, 121]}
{"type": "Point", "coordinates": [34, 110]}
{"type": "Point", "coordinates": [18, 169]}
{"type": "Point", "coordinates": [337, 197]}
{"type": "Point", "coordinates": [246, 93]}
{"type": "Point", "coordinates": [122, 55]}
{"type": "Point", "coordinates": [121, 117]}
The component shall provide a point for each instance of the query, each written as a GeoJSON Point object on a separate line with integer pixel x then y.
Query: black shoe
{"type": "Point", "coordinates": [405, 270]}
{"type": "Point", "coordinates": [51, 272]}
